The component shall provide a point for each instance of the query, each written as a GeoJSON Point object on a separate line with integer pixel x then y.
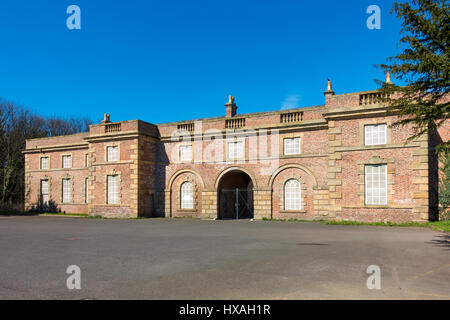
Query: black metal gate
{"type": "Point", "coordinates": [236, 204]}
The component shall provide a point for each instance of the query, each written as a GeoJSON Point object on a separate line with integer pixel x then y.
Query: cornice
{"type": "Point", "coordinates": [117, 135]}
{"type": "Point", "coordinates": [355, 112]}
{"type": "Point", "coordinates": [61, 147]}
{"type": "Point", "coordinates": [308, 125]}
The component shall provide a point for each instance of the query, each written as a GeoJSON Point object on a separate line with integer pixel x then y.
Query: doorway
{"type": "Point", "coordinates": [235, 196]}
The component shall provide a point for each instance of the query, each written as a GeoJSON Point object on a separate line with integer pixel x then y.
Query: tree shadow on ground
{"type": "Point", "coordinates": [442, 241]}
{"type": "Point", "coordinates": [17, 213]}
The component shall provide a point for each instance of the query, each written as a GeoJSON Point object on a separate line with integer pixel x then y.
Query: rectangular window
{"type": "Point", "coordinates": [113, 189]}
{"type": "Point", "coordinates": [44, 192]}
{"type": "Point", "coordinates": [376, 184]}
{"type": "Point", "coordinates": [45, 163]}
{"type": "Point", "coordinates": [87, 159]}
{"type": "Point", "coordinates": [185, 153]}
{"type": "Point", "coordinates": [113, 153]}
{"type": "Point", "coordinates": [66, 191]}
{"type": "Point", "coordinates": [67, 161]}
{"type": "Point", "coordinates": [86, 190]}
{"type": "Point", "coordinates": [235, 150]}
{"type": "Point", "coordinates": [292, 146]}
{"type": "Point", "coordinates": [187, 196]}
{"type": "Point", "coordinates": [375, 134]}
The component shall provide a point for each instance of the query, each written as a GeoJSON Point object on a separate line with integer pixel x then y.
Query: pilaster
{"type": "Point", "coordinates": [262, 203]}
{"type": "Point", "coordinates": [334, 172]}
{"type": "Point", "coordinates": [420, 178]}
{"type": "Point", "coordinates": [209, 204]}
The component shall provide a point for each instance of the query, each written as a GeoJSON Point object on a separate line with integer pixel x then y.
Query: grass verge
{"type": "Point", "coordinates": [435, 225]}
{"type": "Point", "coordinates": [443, 226]}
{"type": "Point", "coordinates": [80, 215]}
{"type": "Point", "coordinates": [30, 214]}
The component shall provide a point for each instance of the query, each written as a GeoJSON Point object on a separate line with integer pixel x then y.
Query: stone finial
{"type": "Point", "coordinates": [388, 78]}
{"type": "Point", "coordinates": [329, 88]}
{"type": "Point", "coordinates": [230, 99]}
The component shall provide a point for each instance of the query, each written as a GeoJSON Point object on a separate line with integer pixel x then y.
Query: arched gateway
{"type": "Point", "coordinates": [235, 195]}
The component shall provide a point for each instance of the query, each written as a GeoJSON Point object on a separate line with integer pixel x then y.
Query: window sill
{"type": "Point", "coordinates": [293, 211]}
{"type": "Point", "coordinates": [187, 210]}
{"type": "Point", "coordinates": [375, 145]}
{"type": "Point", "coordinates": [71, 204]}
{"type": "Point", "coordinates": [374, 206]}
{"type": "Point", "coordinates": [112, 162]}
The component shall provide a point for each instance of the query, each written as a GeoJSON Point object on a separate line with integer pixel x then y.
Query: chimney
{"type": "Point", "coordinates": [388, 78]}
{"type": "Point", "coordinates": [106, 118]}
{"type": "Point", "coordinates": [231, 107]}
{"type": "Point", "coordinates": [329, 91]}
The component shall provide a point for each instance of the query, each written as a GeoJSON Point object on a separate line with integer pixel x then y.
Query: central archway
{"type": "Point", "coordinates": [235, 195]}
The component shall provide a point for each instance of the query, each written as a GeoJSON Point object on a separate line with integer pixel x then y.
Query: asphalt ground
{"type": "Point", "coordinates": [198, 259]}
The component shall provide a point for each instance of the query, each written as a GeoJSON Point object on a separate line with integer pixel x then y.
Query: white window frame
{"type": "Point", "coordinates": [47, 163]}
{"type": "Point", "coordinates": [67, 161]}
{"type": "Point", "coordinates": [292, 190]}
{"type": "Point", "coordinates": [112, 153]}
{"type": "Point", "coordinates": [237, 151]}
{"type": "Point", "coordinates": [186, 152]}
{"type": "Point", "coordinates": [45, 191]}
{"type": "Point", "coordinates": [112, 182]}
{"type": "Point", "coordinates": [187, 195]}
{"type": "Point", "coordinates": [66, 190]}
{"type": "Point", "coordinates": [86, 190]}
{"type": "Point", "coordinates": [292, 146]}
{"type": "Point", "coordinates": [375, 134]}
{"type": "Point", "coordinates": [375, 185]}
{"type": "Point", "coordinates": [86, 159]}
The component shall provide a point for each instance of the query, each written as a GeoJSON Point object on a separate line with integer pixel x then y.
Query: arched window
{"type": "Point", "coordinates": [187, 196]}
{"type": "Point", "coordinates": [292, 195]}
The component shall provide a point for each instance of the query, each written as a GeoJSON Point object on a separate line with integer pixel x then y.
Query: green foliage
{"type": "Point", "coordinates": [444, 187]}
{"type": "Point", "coordinates": [423, 65]}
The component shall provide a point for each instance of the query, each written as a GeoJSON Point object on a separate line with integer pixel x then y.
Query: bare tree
{"type": "Point", "coordinates": [55, 126]}
{"type": "Point", "coordinates": [16, 125]}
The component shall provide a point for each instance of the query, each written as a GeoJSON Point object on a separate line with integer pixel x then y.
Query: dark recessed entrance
{"type": "Point", "coordinates": [235, 196]}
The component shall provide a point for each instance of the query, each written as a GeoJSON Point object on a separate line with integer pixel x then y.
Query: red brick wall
{"type": "Point", "coordinates": [175, 196]}
{"type": "Point", "coordinates": [307, 183]}
{"type": "Point", "coordinates": [123, 168]}
{"type": "Point", "coordinates": [78, 172]}
{"type": "Point", "coordinates": [329, 166]}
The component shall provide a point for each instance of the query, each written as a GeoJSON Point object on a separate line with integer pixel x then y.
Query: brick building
{"type": "Point", "coordinates": [340, 160]}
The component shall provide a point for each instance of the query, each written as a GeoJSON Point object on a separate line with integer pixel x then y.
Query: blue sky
{"type": "Point", "coordinates": [163, 61]}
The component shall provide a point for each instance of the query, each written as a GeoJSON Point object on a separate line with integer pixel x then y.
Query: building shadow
{"type": "Point", "coordinates": [433, 175]}
{"type": "Point", "coordinates": [22, 214]}
{"type": "Point", "coordinates": [159, 180]}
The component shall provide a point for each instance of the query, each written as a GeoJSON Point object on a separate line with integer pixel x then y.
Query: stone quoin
{"type": "Point", "coordinates": [341, 160]}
